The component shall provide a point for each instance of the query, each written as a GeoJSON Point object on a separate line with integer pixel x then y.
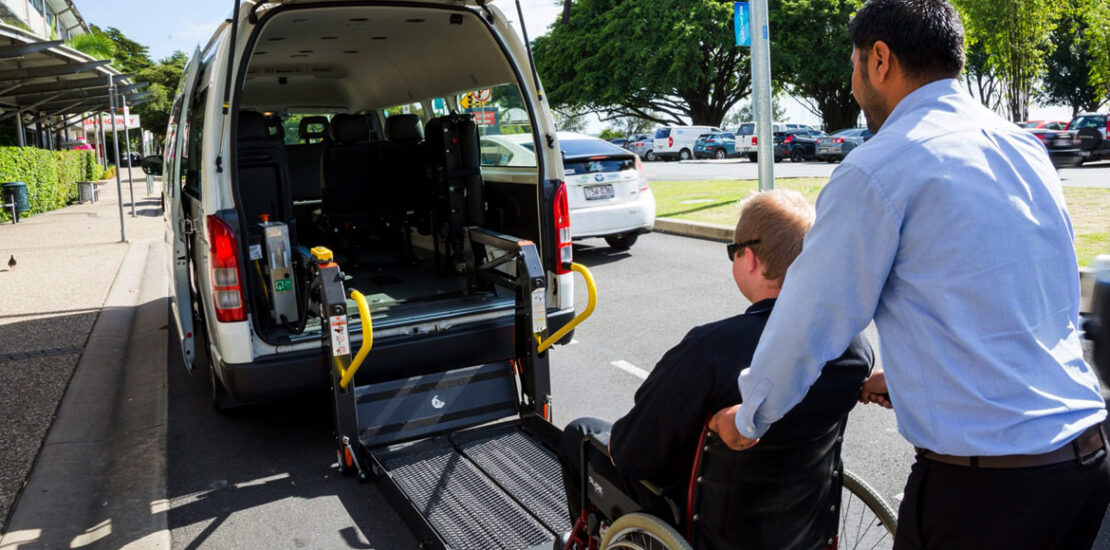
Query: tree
{"type": "Point", "coordinates": [627, 126]}
{"type": "Point", "coordinates": [569, 121]}
{"type": "Point", "coordinates": [1098, 40]}
{"type": "Point", "coordinates": [95, 45]}
{"type": "Point", "coordinates": [744, 113]}
{"type": "Point", "coordinates": [982, 78]}
{"type": "Point", "coordinates": [129, 56]}
{"type": "Point", "coordinates": [1015, 36]}
{"type": "Point", "coordinates": [610, 133]}
{"type": "Point", "coordinates": [666, 61]}
{"type": "Point", "coordinates": [1070, 81]}
{"type": "Point", "coordinates": [163, 79]}
{"type": "Point", "coordinates": [810, 52]}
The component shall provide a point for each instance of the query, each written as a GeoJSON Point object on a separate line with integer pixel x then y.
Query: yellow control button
{"type": "Point", "coordinates": [321, 254]}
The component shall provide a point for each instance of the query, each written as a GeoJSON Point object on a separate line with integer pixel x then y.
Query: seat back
{"type": "Point", "coordinates": [402, 170]}
{"type": "Point", "coordinates": [263, 179]}
{"type": "Point", "coordinates": [347, 179]}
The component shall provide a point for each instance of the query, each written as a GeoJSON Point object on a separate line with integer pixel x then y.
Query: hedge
{"type": "Point", "coordinates": [50, 175]}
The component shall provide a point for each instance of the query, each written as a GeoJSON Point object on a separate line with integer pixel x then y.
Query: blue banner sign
{"type": "Point", "coordinates": [743, 25]}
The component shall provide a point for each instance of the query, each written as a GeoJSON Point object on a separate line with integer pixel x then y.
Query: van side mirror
{"type": "Point", "coordinates": [152, 165]}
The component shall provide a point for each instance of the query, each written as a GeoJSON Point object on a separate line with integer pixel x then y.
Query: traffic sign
{"type": "Point", "coordinates": [483, 95]}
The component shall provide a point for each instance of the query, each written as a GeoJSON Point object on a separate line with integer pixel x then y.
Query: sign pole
{"type": "Point", "coordinates": [761, 94]}
{"type": "Point", "coordinates": [127, 141]}
{"type": "Point", "coordinates": [115, 145]}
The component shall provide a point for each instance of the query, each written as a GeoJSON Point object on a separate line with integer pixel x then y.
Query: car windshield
{"type": "Point", "coordinates": [663, 133]}
{"type": "Point", "coordinates": [1028, 124]}
{"type": "Point", "coordinates": [1088, 121]}
{"type": "Point", "coordinates": [746, 129]}
{"type": "Point", "coordinates": [590, 148]}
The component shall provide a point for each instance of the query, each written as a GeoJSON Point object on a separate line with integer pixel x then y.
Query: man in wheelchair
{"type": "Point", "coordinates": [782, 493]}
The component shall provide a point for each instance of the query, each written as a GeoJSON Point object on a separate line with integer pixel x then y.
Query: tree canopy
{"type": "Point", "coordinates": [667, 61]}
{"type": "Point", "coordinates": [1071, 79]}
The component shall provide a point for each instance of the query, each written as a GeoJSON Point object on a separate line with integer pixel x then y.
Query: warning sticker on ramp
{"type": "Point", "coordinates": [539, 311]}
{"type": "Point", "coordinates": [340, 339]}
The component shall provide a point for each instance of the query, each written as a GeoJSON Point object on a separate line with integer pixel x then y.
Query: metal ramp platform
{"type": "Point", "coordinates": [494, 487]}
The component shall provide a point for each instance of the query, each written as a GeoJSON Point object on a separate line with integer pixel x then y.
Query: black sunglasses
{"type": "Point", "coordinates": [734, 248]}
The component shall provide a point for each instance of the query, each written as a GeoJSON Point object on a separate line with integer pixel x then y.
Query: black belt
{"type": "Point", "coordinates": [1090, 441]}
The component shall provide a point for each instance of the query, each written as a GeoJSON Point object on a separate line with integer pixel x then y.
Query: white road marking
{"type": "Point", "coordinates": [630, 369]}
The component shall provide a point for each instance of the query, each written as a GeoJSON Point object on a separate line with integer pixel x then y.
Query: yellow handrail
{"type": "Point", "coordinates": [367, 340]}
{"type": "Point", "coordinates": [591, 293]}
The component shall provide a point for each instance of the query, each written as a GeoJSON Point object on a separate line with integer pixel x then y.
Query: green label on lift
{"type": "Point", "coordinates": [283, 285]}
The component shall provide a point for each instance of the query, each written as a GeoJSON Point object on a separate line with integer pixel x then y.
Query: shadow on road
{"type": "Point", "coordinates": [593, 256]}
{"type": "Point", "coordinates": [261, 476]}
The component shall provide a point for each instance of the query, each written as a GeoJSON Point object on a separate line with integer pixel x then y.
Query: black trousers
{"type": "Point", "coordinates": [1052, 507]}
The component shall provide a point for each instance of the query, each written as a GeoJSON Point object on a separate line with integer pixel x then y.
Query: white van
{"type": "Point", "coordinates": [677, 142]}
{"type": "Point", "coordinates": [332, 123]}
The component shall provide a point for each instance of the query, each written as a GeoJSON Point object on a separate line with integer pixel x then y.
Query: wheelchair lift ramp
{"type": "Point", "coordinates": [493, 487]}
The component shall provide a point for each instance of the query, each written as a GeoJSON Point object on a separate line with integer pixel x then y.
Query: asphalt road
{"type": "Point", "coordinates": [261, 477]}
{"type": "Point", "coordinates": [1095, 174]}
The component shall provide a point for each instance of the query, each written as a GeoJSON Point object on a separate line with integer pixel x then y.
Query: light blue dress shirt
{"type": "Point", "coordinates": [949, 229]}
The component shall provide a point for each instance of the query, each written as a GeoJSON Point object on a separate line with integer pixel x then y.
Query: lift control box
{"type": "Point", "coordinates": [279, 270]}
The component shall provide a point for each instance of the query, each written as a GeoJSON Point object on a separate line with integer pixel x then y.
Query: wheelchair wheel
{"type": "Point", "coordinates": [642, 532]}
{"type": "Point", "coordinates": [866, 520]}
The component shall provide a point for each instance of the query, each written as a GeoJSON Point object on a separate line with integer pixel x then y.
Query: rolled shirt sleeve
{"type": "Point", "coordinates": [829, 295]}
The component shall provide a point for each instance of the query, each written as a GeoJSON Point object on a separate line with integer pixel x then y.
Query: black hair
{"type": "Point", "coordinates": [926, 36]}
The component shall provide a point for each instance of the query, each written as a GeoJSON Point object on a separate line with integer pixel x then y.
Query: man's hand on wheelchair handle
{"type": "Point", "coordinates": [724, 424]}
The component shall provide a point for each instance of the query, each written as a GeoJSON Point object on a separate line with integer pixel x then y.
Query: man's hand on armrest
{"type": "Point", "coordinates": [874, 390]}
{"type": "Point", "coordinates": [724, 424]}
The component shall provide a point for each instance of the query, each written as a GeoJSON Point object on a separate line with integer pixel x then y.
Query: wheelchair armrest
{"type": "Point", "coordinates": [598, 444]}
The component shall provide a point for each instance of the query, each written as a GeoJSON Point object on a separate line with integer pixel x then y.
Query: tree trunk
{"type": "Point", "coordinates": [839, 114]}
{"type": "Point", "coordinates": [566, 11]}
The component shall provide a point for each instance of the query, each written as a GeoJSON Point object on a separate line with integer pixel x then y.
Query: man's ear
{"type": "Point", "coordinates": [879, 62]}
{"type": "Point", "coordinates": [751, 261]}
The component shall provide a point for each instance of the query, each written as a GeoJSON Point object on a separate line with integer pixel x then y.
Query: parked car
{"type": "Point", "coordinates": [393, 215]}
{"type": "Point", "coordinates": [1044, 124]}
{"type": "Point", "coordinates": [1063, 146]}
{"type": "Point", "coordinates": [837, 146]}
{"type": "Point", "coordinates": [797, 145]}
{"type": "Point", "coordinates": [620, 142]}
{"type": "Point", "coordinates": [643, 145]}
{"type": "Point", "coordinates": [1093, 131]}
{"type": "Point", "coordinates": [607, 190]}
{"type": "Point", "coordinates": [747, 142]}
{"type": "Point", "coordinates": [677, 142]}
{"type": "Point", "coordinates": [718, 145]}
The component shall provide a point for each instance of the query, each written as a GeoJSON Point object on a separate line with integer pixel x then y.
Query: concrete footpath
{"type": "Point", "coordinates": [83, 331]}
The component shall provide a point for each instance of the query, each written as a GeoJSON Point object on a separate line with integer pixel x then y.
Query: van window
{"type": "Point", "coordinates": [503, 123]}
{"type": "Point", "coordinates": [291, 123]}
{"type": "Point", "coordinates": [192, 156]}
{"type": "Point", "coordinates": [407, 109]}
{"type": "Point", "coordinates": [1089, 121]}
{"type": "Point", "coordinates": [663, 133]}
{"type": "Point", "coordinates": [746, 129]}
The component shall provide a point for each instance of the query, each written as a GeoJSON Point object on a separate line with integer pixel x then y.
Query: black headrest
{"type": "Point", "coordinates": [252, 125]}
{"type": "Point", "coordinates": [276, 128]}
{"type": "Point", "coordinates": [307, 121]}
{"type": "Point", "coordinates": [402, 128]}
{"type": "Point", "coordinates": [347, 128]}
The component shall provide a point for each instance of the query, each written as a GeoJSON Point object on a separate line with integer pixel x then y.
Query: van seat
{"type": "Point", "coordinates": [347, 180]}
{"type": "Point", "coordinates": [405, 184]}
{"type": "Point", "coordinates": [263, 178]}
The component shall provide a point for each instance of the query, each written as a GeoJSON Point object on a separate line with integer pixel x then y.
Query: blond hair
{"type": "Point", "coordinates": [779, 220]}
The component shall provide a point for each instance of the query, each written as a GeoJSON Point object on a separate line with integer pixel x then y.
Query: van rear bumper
{"type": "Point", "coordinates": [275, 377]}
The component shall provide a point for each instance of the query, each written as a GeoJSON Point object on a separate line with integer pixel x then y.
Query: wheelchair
{"type": "Point", "coordinates": [612, 519]}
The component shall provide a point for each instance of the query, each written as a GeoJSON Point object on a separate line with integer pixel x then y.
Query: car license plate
{"type": "Point", "coordinates": [595, 192]}
{"type": "Point", "coordinates": [1062, 143]}
{"type": "Point", "coordinates": [823, 149]}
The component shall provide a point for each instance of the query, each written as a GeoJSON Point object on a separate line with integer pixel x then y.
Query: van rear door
{"type": "Point", "coordinates": [178, 224]}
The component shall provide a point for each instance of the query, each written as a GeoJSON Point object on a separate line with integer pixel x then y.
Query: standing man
{"type": "Point", "coordinates": [949, 229]}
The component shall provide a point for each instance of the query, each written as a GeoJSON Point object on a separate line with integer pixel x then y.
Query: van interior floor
{"type": "Point", "coordinates": [489, 488]}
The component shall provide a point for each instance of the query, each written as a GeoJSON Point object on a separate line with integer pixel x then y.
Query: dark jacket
{"type": "Point", "coordinates": [780, 493]}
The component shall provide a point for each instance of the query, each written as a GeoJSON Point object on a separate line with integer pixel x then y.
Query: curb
{"type": "Point", "coordinates": [698, 230]}
{"type": "Point", "coordinates": [100, 477]}
{"type": "Point", "coordinates": [723, 233]}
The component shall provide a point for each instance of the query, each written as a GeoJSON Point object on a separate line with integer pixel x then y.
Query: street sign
{"type": "Point", "coordinates": [483, 95]}
{"type": "Point", "coordinates": [131, 121]}
{"type": "Point", "coordinates": [486, 117]}
{"type": "Point", "coordinates": [742, 24]}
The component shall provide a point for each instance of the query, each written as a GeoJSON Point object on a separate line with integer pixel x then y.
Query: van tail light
{"type": "Point", "coordinates": [227, 287]}
{"type": "Point", "coordinates": [1107, 125]}
{"type": "Point", "coordinates": [670, 142]}
{"type": "Point", "coordinates": [755, 140]}
{"type": "Point", "coordinates": [643, 175]}
{"type": "Point", "coordinates": [789, 139]}
{"type": "Point", "coordinates": [564, 251]}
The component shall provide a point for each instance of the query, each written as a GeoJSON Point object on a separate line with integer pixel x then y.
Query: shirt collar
{"type": "Point", "coordinates": [925, 94]}
{"type": "Point", "coordinates": [761, 306]}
